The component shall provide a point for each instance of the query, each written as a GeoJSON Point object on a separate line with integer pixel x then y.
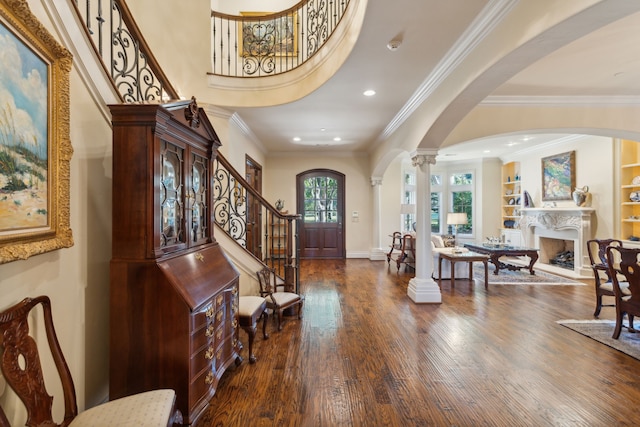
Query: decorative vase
{"type": "Point", "coordinates": [279, 204]}
{"type": "Point", "coordinates": [582, 197]}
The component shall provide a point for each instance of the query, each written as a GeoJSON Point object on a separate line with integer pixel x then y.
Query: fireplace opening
{"type": "Point", "coordinates": [563, 259]}
{"type": "Point", "coordinates": [558, 252]}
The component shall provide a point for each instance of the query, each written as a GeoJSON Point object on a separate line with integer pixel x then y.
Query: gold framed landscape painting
{"type": "Point", "coordinates": [263, 35]}
{"type": "Point", "coordinates": [35, 150]}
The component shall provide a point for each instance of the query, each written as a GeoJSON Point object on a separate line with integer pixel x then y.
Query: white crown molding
{"type": "Point", "coordinates": [583, 101]}
{"type": "Point", "coordinates": [484, 23]}
{"type": "Point", "coordinates": [538, 147]}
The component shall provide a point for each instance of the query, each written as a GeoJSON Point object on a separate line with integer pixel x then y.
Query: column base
{"type": "Point", "coordinates": [424, 291]}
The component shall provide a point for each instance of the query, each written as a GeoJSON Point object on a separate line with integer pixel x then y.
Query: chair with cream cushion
{"type": "Point", "coordinates": [277, 300]}
{"type": "Point", "coordinates": [624, 264]}
{"type": "Point", "coordinates": [437, 246]}
{"type": "Point", "coordinates": [20, 363]}
{"type": "Point", "coordinates": [596, 248]}
{"type": "Point", "coordinates": [250, 309]}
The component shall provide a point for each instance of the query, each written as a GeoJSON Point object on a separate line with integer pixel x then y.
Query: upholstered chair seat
{"type": "Point", "coordinates": [250, 309]}
{"type": "Point", "coordinates": [148, 409]}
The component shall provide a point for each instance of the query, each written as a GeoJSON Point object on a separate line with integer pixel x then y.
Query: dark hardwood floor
{"type": "Point", "coordinates": [364, 354]}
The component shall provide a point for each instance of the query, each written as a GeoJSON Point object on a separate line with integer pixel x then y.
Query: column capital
{"type": "Point", "coordinates": [376, 180]}
{"type": "Point", "coordinates": [420, 157]}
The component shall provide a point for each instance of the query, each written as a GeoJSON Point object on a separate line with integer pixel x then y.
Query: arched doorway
{"type": "Point", "coordinates": [320, 199]}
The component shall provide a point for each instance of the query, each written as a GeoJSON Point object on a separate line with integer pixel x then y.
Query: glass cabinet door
{"type": "Point", "coordinates": [198, 199]}
{"type": "Point", "coordinates": [171, 208]}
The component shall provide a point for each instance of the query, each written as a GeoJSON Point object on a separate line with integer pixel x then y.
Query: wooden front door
{"type": "Point", "coordinates": [320, 200]}
{"type": "Point", "coordinates": [253, 176]}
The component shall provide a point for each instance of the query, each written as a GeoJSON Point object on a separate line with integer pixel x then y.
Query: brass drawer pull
{"type": "Point", "coordinates": [208, 380]}
{"type": "Point", "coordinates": [209, 312]}
{"type": "Point", "coordinates": [209, 353]}
{"type": "Point", "coordinates": [209, 332]}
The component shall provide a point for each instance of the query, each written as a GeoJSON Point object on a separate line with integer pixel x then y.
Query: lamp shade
{"type": "Point", "coordinates": [455, 218]}
{"type": "Point", "coordinates": [406, 209]}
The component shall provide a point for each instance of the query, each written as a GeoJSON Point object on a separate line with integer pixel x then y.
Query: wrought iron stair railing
{"type": "Point", "coordinates": [265, 232]}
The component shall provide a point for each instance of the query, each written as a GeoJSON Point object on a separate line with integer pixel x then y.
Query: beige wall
{"type": "Point", "coordinates": [76, 279]}
{"type": "Point", "coordinates": [594, 168]}
{"type": "Point", "coordinates": [280, 183]}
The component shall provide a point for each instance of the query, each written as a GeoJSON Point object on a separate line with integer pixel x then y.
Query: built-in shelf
{"type": "Point", "coordinates": [630, 169]}
{"type": "Point", "coordinates": [511, 202]}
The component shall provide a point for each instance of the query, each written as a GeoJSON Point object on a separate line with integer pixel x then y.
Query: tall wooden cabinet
{"type": "Point", "coordinates": [630, 190]}
{"type": "Point", "coordinates": [174, 293]}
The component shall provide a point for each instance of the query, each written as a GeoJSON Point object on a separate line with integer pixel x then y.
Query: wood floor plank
{"type": "Point", "coordinates": [364, 354]}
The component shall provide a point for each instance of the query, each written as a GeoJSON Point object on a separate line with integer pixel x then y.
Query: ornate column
{"type": "Point", "coordinates": [376, 252]}
{"type": "Point", "coordinates": [422, 288]}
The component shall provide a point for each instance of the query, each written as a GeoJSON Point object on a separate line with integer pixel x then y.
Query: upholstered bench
{"type": "Point", "coordinates": [250, 308]}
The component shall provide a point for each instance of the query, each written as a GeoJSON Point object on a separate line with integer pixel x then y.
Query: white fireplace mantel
{"type": "Point", "coordinates": [569, 223]}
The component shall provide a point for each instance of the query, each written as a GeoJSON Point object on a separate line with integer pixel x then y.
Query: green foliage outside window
{"type": "Point", "coordinates": [462, 199]}
{"type": "Point", "coordinates": [320, 200]}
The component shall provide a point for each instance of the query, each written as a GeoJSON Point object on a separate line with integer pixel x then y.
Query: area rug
{"type": "Point", "coordinates": [521, 277]}
{"type": "Point", "coordinates": [601, 330]}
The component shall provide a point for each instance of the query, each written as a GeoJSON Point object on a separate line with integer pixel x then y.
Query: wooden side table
{"type": "Point", "coordinates": [468, 257]}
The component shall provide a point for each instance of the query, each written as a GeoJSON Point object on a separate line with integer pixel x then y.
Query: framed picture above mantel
{"type": "Point", "coordinates": [35, 150]}
{"type": "Point", "coordinates": [558, 176]}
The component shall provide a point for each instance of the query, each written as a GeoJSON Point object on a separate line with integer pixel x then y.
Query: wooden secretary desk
{"type": "Point", "coordinates": [174, 293]}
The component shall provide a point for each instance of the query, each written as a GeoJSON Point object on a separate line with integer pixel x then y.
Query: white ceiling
{"type": "Point", "coordinates": [605, 63]}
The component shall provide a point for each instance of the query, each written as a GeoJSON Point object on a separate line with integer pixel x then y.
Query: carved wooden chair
{"type": "Point", "coordinates": [625, 262]}
{"type": "Point", "coordinates": [395, 246]}
{"type": "Point", "coordinates": [278, 300]}
{"type": "Point", "coordinates": [20, 364]}
{"type": "Point", "coordinates": [596, 248]}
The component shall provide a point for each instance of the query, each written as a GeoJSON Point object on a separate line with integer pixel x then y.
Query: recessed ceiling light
{"type": "Point", "coordinates": [322, 129]}
{"type": "Point", "coordinates": [297, 139]}
{"type": "Point", "coordinates": [337, 138]}
{"type": "Point", "coordinates": [486, 151]}
{"type": "Point", "coordinates": [369, 92]}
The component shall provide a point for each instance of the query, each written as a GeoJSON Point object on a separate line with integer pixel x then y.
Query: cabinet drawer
{"type": "Point", "coordinates": [202, 387]}
{"type": "Point", "coordinates": [224, 351]}
{"type": "Point", "coordinates": [202, 358]}
{"type": "Point", "coordinates": [203, 316]}
{"type": "Point", "coordinates": [202, 338]}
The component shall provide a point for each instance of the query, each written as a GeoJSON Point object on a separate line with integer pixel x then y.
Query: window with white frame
{"type": "Point", "coordinates": [461, 191]}
{"type": "Point", "coordinates": [436, 203]}
{"type": "Point", "coordinates": [408, 203]}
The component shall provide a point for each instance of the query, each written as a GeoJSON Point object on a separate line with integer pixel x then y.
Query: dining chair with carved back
{"type": "Point", "coordinates": [597, 250]}
{"type": "Point", "coordinates": [625, 262]}
{"type": "Point", "coordinates": [278, 300]}
{"type": "Point", "coordinates": [23, 372]}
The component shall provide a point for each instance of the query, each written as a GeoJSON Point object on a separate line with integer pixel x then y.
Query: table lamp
{"type": "Point", "coordinates": [407, 209]}
{"type": "Point", "coordinates": [456, 219]}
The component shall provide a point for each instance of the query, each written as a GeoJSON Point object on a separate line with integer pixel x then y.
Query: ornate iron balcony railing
{"type": "Point", "coordinates": [265, 45]}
